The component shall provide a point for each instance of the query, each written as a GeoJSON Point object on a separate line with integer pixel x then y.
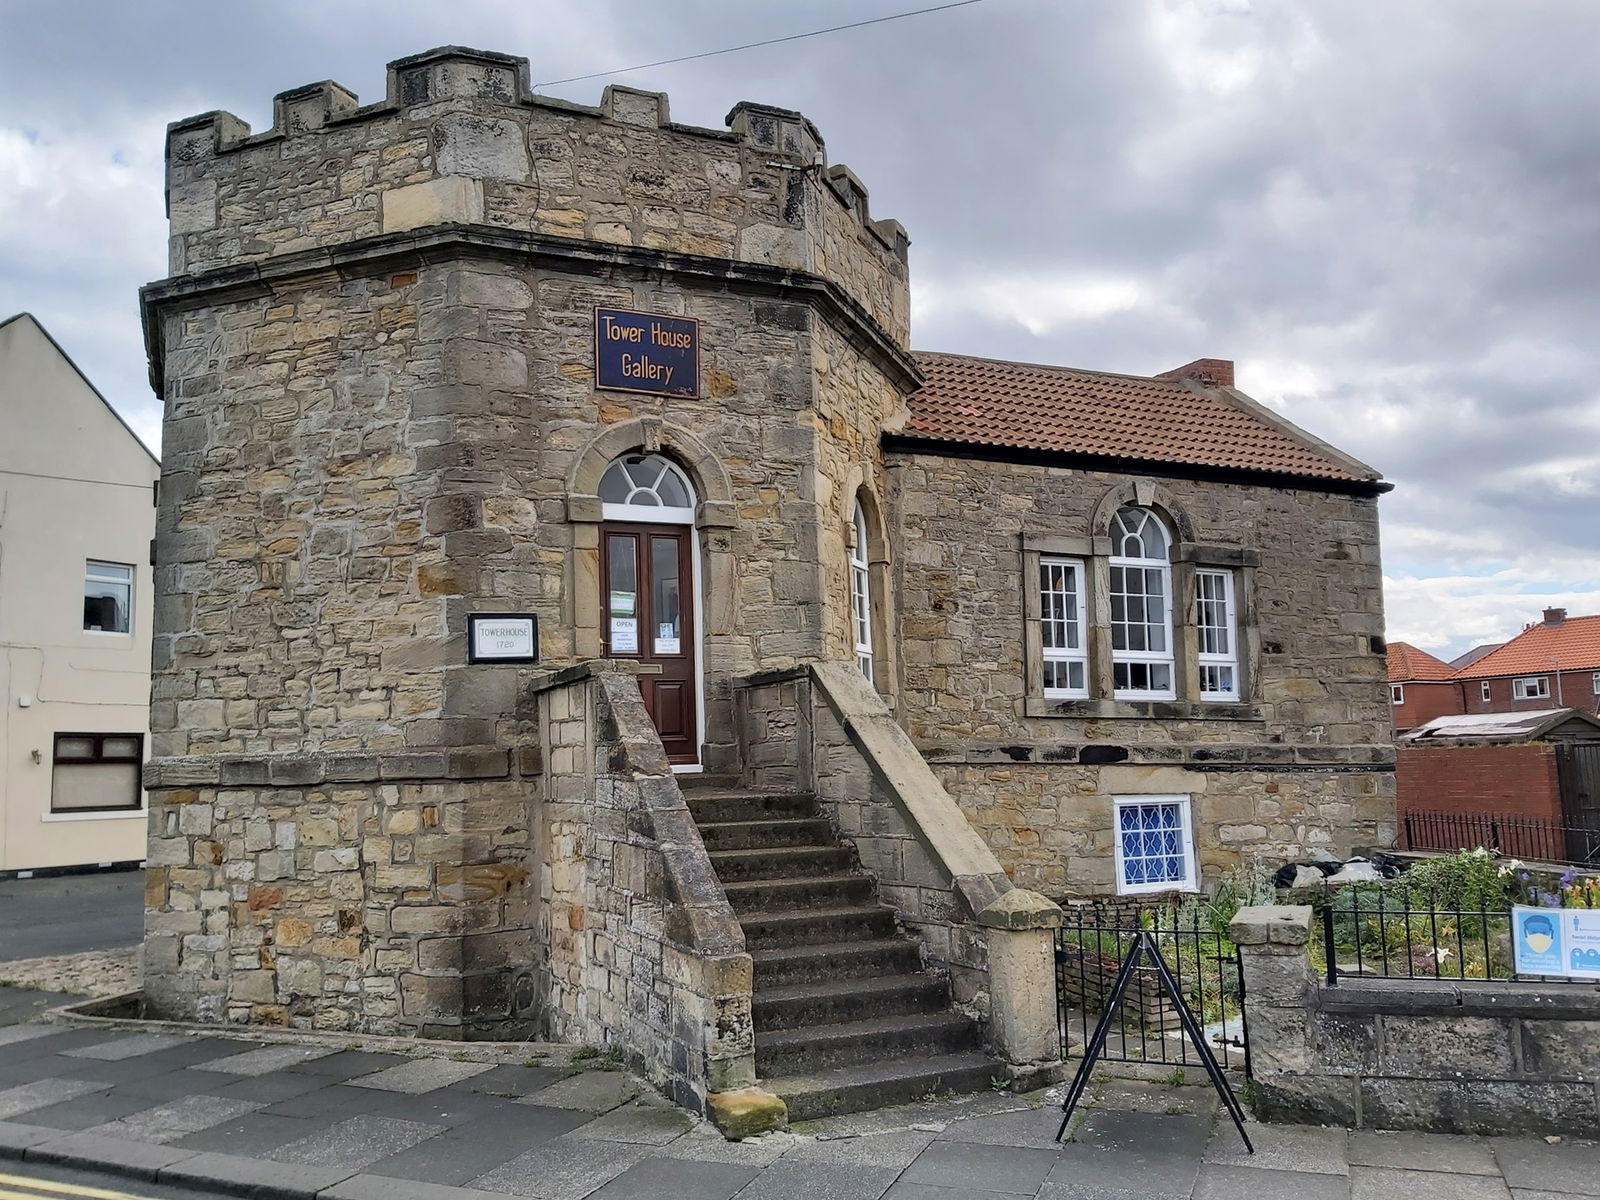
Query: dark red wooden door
{"type": "Point", "coordinates": [647, 603]}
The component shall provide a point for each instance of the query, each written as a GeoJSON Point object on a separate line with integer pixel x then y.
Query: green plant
{"type": "Point", "coordinates": [535, 1060]}
{"type": "Point", "coordinates": [584, 1053]}
{"type": "Point", "coordinates": [1177, 1079]}
{"type": "Point", "coordinates": [1469, 879]}
{"type": "Point", "coordinates": [999, 1083]}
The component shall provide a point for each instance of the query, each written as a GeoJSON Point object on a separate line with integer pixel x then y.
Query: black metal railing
{"type": "Point", "coordinates": [1527, 838]}
{"type": "Point", "coordinates": [1394, 934]}
{"type": "Point", "coordinates": [1090, 947]}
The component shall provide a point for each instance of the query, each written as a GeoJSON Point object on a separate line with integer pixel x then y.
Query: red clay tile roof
{"type": "Point", "coordinates": [1573, 645]}
{"type": "Point", "coordinates": [991, 402]}
{"type": "Point", "coordinates": [1407, 664]}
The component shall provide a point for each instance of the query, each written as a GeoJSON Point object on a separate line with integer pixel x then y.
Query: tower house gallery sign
{"type": "Point", "coordinates": [646, 352]}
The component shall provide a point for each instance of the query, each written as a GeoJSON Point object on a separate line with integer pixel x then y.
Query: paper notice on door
{"type": "Point", "coordinates": [668, 645]}
{"type": "Point", "coordinates": [624, 635]}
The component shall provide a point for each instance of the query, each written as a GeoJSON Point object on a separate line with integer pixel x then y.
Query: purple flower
{"type": "Point", "coordinates": [1567, 878]}
{"type": "Point", "coordinates": [1549, 899]}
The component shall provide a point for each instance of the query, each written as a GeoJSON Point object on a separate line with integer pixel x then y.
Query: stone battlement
{"type": "Point", "coordinates": [461, 138]}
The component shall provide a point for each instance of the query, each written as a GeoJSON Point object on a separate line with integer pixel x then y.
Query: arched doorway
{"type": "Point", "coordinates": [649, 567]}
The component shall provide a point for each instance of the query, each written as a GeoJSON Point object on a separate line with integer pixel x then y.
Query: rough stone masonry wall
{"type": "Point", "coordinates": [1304, 764]}
{"type": "Point", "coordinates": [1478, 1058]}
{"type": "Point", "coordinates": [642, 949]}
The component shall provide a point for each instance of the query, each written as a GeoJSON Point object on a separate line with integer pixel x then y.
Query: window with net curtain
{"type": "Point", "coordinates": [1141, 606]}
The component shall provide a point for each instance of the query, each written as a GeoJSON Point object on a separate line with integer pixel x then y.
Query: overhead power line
{"type": "Point", "coordinates": [793, 37]}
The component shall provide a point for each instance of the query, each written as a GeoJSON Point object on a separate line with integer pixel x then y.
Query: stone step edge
{"type": "Point", "coordinates": [864, 986]}
{"type": "Point", "coordinates": [804, 1093]}
{"type": "Point", "coordinates": [842, 1033]}
{"type": "Point", "coordinates": [824, 951]}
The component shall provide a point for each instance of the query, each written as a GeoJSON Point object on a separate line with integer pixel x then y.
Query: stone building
{"type": "Point", "coordinates": [846, 655]}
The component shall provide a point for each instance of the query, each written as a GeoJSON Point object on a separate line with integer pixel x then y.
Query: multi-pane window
{"type": "Point", "coordinates": [96, 772]}
{"type": "Point", "coordinates": [1154, 844]}
{"type": "Point", "coordinates": [1534, 687]}
{"type": "Point", "coordinates": [107, 597]}
{"type": "Point", "coordinates": [1483, 689]}
{"type": "Point", "coordinates": [1141, 607]}
{"type": "Point", "coordinates": [861, 594]}
{"type": "Point", "coordinates": [1061, 628]}
{"type": "Point", "coordinates": [1218, 642]}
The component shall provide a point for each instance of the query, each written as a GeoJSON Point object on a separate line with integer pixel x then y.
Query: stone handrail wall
{"type": "Point", "coordinates": [644, 950]}
{"type": "Point", "coordinates": [1481, 1058]}
{"type": "Point", "coordinates": [823, 728]}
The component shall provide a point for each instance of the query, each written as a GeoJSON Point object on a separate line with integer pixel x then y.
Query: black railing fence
{"type": "Point", "coordinates": [1090, 947]}
{"type": "Point", "coordinates": [1393, 934]}
{"type": "Point", "coordinates": [1511, 836]}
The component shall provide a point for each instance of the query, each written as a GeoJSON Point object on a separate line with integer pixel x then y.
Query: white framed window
{"type": "Point", "coordinates": [1063, 640]}
{"type": "Point", "coordinates": [1218, 641]}
{"type": "Point", "coordinates": [1484, 693]}
{"type": "Point", "coordinates": [107, 597]}
{"type": "Point", "coordinates": [1141, 607]}
{"type": "Point", "coordinates": [638, 482]}
{"type": "Point", "coordinates": [1531, 687]}
{"type": "Point", "coordinates": [861, 593]}
{"type": "Point", "coordinates": [1154, 843]}
{"type": "Point", "coordinates": [1397, 693]}
{"type": "Point", "coordinates": [1597, 683]}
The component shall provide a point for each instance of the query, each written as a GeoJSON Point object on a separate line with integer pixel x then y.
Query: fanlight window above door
{"type": "Point", "coordinates": [646, 481]}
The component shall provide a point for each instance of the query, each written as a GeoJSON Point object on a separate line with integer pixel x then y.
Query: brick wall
{"type": "Point", "coordinates": [1576, 690]}
{"type": "Point", "coordinates": [1425, 701]}
{"type": "Point", "coordinates": [1519, 780]}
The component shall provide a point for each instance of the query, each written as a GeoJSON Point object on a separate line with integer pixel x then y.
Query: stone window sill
{"type": "Point", "coordinates": [1142, 710]}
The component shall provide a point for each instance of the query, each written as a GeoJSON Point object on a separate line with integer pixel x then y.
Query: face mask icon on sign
{"type": "Point", "coordinates": [1539, 933]}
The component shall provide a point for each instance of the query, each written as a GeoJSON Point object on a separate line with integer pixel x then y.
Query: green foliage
{"type": "Point", "coordinates": [583, 1053]}
{"type": "Point", "coordinates": [1468, 879]}
{"type": "Point", "coordinates": [1177, 1079]}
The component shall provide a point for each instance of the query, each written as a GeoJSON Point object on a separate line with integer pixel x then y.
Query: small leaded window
{"type": "Point", "coordinates": [1154, 844]}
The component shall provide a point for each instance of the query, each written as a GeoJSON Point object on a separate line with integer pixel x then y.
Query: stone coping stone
{"type": "Point", "coordinates": [1453, 998]}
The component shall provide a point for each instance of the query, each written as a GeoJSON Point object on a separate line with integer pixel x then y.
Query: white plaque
{"type": "Point", "coordinates": [502, 637]}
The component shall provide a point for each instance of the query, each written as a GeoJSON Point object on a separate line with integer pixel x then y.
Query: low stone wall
{"type": "Point", "coordinates": [643, 950]}
{"type": "Point", "coordinates": [823, 728]}
{"type": "Point", "coordinates": [1483, 1058]}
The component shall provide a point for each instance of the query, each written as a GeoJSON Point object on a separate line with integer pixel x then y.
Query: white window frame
{"type": "Point", "coordinates": [1597, 683]}
{"type": "Point", "coordinates": [1190, 881]}
{"type": "Point", "coordinates": [1485, 693]}
{"type": "Point", "coordinates": [131, 582]}
{"type": "Point", "coordinates": [1397, 693]}
{"type": "Point", "coordinates": [861, 593]}
{"type": "Point", "coordinates": [1074, 568]}
{"type": "Point", "coordinates": [1167, 658]}
{"type": "Point", "coordinates": [1229, 629]}
{"type": "Point", "coordinates": [1531, 687]}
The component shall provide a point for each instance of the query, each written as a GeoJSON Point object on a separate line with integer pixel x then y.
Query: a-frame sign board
{"type": "Point", "coordinates": [1144, 946]}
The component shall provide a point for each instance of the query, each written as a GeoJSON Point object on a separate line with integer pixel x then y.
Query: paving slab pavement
{"type": "Point", "coordinates": [299, 1122]}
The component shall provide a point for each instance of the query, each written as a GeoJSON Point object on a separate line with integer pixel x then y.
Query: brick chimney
{"type": "Point", "coordinates": [1554, 616]}
{"type": "Point", "coordinates": [1213, 372]}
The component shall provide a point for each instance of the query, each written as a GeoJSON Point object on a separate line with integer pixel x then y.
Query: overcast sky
{"type": "Point", "coordinates": [1388, 213]}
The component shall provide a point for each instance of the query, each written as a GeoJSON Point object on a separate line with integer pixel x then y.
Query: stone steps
{"type": "Point", "coordinates": [845, 1017]}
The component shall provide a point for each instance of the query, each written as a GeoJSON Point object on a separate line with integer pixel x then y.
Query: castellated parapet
{"type": "Point", "coordinates": [460, 138]}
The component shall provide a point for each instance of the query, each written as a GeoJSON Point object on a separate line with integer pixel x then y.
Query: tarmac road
{"type": "Point", "coordinates": [68, 914]}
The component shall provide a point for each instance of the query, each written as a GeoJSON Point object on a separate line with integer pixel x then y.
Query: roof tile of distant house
{"type": "Point", "coordinates": [990, 402]}
{"type": "Point", "coordinates": [1407, 664]}
{"type": "Point", "coordinates": [1572, 645]}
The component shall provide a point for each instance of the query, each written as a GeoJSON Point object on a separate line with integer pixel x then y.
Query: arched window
{"type": "Point", "coordinates": [861, 593]}
{"type": "Point", "coordinates": [1141, 606]}
{"type": "Point", "coordinates": [647, 481]}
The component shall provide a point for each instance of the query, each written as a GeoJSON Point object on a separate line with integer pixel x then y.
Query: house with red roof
{"type": "Point", "coordinates": [1421, 686]}
{"type": "Point", "coordinates": [1552, 664]}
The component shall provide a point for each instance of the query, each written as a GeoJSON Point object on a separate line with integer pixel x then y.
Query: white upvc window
{"type": "Point", "coordinates": [1216, 624]}
{"type": "Point", "coordinates": [1531, 687]}
{"type": "Point", "coordinates": [1063, 639]}
{"type": "Point", "coordinates": [1153, 837]}
{"type": "Point", "coordinates": [1484, 691]}
{"type": "Point", "coordinates": [861, 594]}
{"type": "Point", "coordinates": [1397, 693]}
{"type": "Point", "coordinates": [107, 597]}
{"type": "Point", "coordinates": [1597, 683]}
{"type": "Point", "coordinates": [1141, 607]}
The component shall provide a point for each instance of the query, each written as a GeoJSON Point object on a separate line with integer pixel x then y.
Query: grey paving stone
{"type": "Point", "coordinates": [85, 1112]}
{"type": "Point", "coordinates": [177, 1118]}
{"type": "Point", "coordinates": [707, 1145]}
{"type": "Point", "coordinates": [676, 1178]}
{"type": "Point", "coordinates": [819, 1181]}
{"type": "Point", "coordinates": [1383, 1183]}
{"type": "Point", "coordinates": [592, 1091]}
{"type": "Point", "coordinates": [355, 1143]}
{"type": "Point", "coordinates": [234, 1175]}
{"type": "Point", "coordinates": [348, 1064]}
{"type": "Point", "coordinates": [194, 1051]}
{"type": "Point", "coordinates": [1220, 1182]}
{"type": "Point", "coordinates": [448, 1160]}
{"type": "Point", "coordinates": [263, 1059]}
{"type": "Point", "coordinates": [1422, 1152]}
{"type": "Point", "coordinates": [1535, 1165]}
{"type": "Point", "coordinates": [29, 1096]}
{"type": "Point", "coordinates": [57, 1041]}
{"type": "Point", "coordinates": [511, 1081]}
{"type": "Point", "coordinates": [130, 1046]}
{"type": "Point", "coordinates": [871, 1150]}
{"type": "Point", "coordinates": [1306, 1148]}
{"type": "Point", "coordinates": [1013, 1169]}
{"type": "Point", "coordinates": [1137, 1151]}
{"type": "Point", "coordinates": [105, 1153]}
{"type": "Point", "coordinates": [563, 1169]}
{"type": "Point", "coordinates": [1034, 1127]}
{"type": "Point", "coordinates": [335, 1102]}
{"type": "Point", "coordinates": [1133, 1095]}
{"type": "Point", "coordinates": [647, 1126]}
{"type": "Point", "coordinates": [905, 1190]}
{"type": "Point", "coordinates": [374, 1187]}
{"type": "Point", "coordinates": [12, 1034]}
{"type": "Point", "coordinates": [117, 1070]}
{"type": "Point", "coordinates": [1090, 1191]}
{"type": "Point", "coordinates": [253, 1133]}
{"type": "Point", "coordinates": [16, 1137]}
{"type": "Point", "coordinates": [179, 1082]}
{"type": "Point", "coordinates": [279, 1085]}
{"type": "Point", "coordinates": [421, 1075]}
